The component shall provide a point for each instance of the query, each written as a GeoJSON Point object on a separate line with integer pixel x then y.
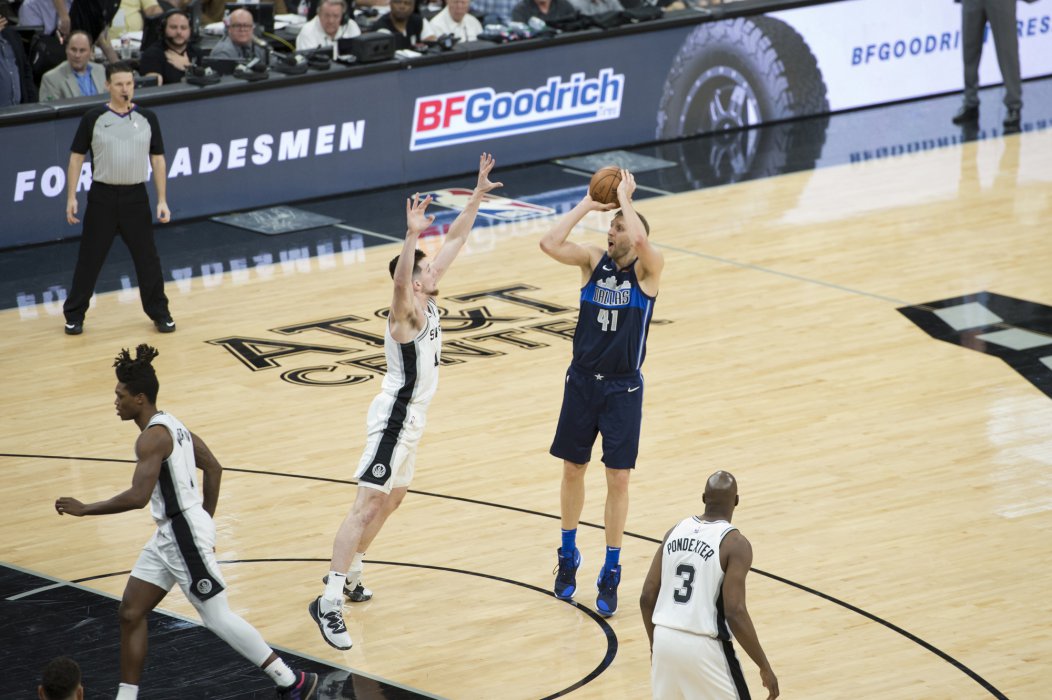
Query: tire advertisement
{"type": "Point", "coordinates": [236, 152]}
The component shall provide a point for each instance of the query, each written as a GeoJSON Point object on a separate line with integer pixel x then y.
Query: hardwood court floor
{"type": "Point", "coordinates": [877, 466]}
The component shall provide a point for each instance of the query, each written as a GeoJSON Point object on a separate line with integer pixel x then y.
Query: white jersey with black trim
{"type": "Point", "coordinates": [691, 594]}
{"type": "Point", "coordinates": [412, 368]}
{"type": "Point", "coordinates": [175, 490]}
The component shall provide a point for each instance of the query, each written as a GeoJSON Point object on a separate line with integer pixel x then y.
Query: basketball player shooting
{"type": "Point", "coordinates": [603, 391]}
{"type": "Point", "coordinates": [413, 348]}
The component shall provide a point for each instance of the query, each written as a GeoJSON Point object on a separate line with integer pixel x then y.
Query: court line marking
{"type": "Point", "coordinates": [59, 583]}
{"type": "Point", "coordinates": [769, 271]}
{"type": "Point", "coordinates": [848, 606]}
{"type": "Point", "coordinates": [574, 171]}
{"type": "Point", "coordinates": [355, 229]}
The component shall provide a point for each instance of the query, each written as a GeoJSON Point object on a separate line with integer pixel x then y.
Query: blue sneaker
{"type": "Point", "coordinates": [606, 601]}
{"type": "Point", "coordinates": [566, 573]}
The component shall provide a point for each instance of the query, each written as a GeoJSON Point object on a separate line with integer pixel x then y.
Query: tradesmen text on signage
{"type": "Point", "coordinates": [257, 150]}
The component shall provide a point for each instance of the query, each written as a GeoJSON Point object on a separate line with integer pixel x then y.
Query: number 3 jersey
{"type": "Point", "coordinates": [691, 595]}
{"type": "Point", "coordinates": [611, 335]}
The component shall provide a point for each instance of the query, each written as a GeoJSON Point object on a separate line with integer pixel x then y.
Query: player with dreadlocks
{"type": "Point", "coordinates": [182, 549]}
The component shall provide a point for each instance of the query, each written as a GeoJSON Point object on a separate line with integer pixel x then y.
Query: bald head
{"type": "Point", "coordinates": [721, 493]}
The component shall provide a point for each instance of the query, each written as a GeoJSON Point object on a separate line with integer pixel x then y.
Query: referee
{"type": "Point", "coordinates": [120, 136]}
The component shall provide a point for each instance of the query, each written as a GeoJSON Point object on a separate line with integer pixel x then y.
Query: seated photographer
{"type": "Point", "coordinates": [169, 58]}
{"type": "Point", "coordinates": [547, 10]}
{"type": "Point", "coordinates": [455, 20]}
{"type": "Point", "coordinates": [77, 75]}
{"type": "Point", "coordinates": [403, 23]}
{"type": "Point", "coordinates": [240, 42]}
{"type": "Point", "coordinates": [331, 24]}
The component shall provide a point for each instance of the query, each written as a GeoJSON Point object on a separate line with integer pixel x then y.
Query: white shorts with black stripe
{"type": "Point", "coordinates": [181, 551]}
{"type": "Point", "coordinates": [687, 666]}
{"type": "Point", "coordinates": [394, 431]}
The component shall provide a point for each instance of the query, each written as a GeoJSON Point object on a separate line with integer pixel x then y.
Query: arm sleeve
{"type": "Point", "coordinates": [82, 139]}
{"type": "Point", "coordinates": [156, 142]}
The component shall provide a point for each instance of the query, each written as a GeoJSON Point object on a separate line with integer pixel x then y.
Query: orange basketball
{"type": "Point", "coordinates": [603, 187]}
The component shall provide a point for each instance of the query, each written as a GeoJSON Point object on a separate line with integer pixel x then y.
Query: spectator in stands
{"type": "Point", "coordinates": [94, 16]}
{"type": "Point", "coordinates": [77, 75]}
{"type": "Point", "coordinates": [597, 7]}
{"type": "Point", "coordinates": [403, 22]}
{"type": "Point", "coordinates": [455, 20]}
{"type": "Point", "coordinates": [16, 78]}
{"type": "Point", "coordinates": [494, 11]}
{"type": "Point", "coordinates": [169, 58]}
{"type": "Point", "coordinates": [331, 24]}
{"type": "Point", "coordinates": [547, 10]}
{"type": "Point", "coordinates": [130, 17]}
{"type": "Point", "coordinates": [49, 14]}
{"type": "Point", "coordinates": [240, 40]}
{"type": "Point", "coordinates": [60, 680]}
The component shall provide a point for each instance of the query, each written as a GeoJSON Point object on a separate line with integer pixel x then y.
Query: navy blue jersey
{"type": "Point", "coordinates": [611, 335]}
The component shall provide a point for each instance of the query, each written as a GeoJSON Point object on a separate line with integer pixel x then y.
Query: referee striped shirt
{"type": "Point", "coordinates": [120, 144]}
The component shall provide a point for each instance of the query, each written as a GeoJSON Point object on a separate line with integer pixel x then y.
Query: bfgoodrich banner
{"type": "Point", "coordinates": [258, 148]}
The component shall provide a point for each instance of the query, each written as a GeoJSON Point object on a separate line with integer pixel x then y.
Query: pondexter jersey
{"type": "Point", "coordinates": [412, 368]}
{"type": "Point", "coordinates": [174, 491]}
{"type": "Point", "coordinates": [614, 320]}
{"type": "Point", "coordinates": [691, 595]}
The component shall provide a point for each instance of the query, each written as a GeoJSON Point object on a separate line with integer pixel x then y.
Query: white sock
{"type": "Point", "coordinates": [354, 574]}
{"type": "Point", "coordinates": [334, 588]}
{"type": "Point", "coordinates": [126, 691]}
{"type": "Point", "coordinates": [280, 673]}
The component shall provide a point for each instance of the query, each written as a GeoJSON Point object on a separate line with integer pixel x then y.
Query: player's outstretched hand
{"type": "Point", "coordinates": [416, 218]}
{"type": "Point", "coordinates": [626, 187]}
{"type": "Point", "coordinates": [70, 506]}
{"type": "Point", "coordinates": [486, 164]}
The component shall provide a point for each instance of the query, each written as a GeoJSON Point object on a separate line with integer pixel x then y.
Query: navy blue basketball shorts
{"type": "Point", "coordinates": [596, 403]}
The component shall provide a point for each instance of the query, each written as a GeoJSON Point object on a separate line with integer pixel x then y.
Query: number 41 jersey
{"type": "Point", "coordinates": [691, 594]}
{"type": "Point", "coordinates": [611, 335]}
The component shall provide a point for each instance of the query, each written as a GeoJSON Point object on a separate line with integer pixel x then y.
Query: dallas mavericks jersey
{"type": "Point", "coordinates": [174, 491]}
{"type": "Point", "coordinates": [614, 320]}
{"type": "Point", "coordinates": [691, 595]}
{"type": "Point", "coordinates": [412, 368]}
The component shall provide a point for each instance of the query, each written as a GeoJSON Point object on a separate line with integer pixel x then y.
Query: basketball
{"type": "Point", "coordinates": [603, 187]}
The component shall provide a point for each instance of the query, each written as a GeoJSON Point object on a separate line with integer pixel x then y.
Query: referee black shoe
{"type": "Point", "coordinates": [164, 325]}
{"type": "Point", "coordinates": [74, 328]}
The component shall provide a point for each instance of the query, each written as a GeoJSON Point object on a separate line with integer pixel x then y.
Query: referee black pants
{"type": "Point", "coordinates": [113, 209]}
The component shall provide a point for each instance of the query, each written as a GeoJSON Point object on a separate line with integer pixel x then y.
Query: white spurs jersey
{"type": "Point", "coordinates": [691, 595]}
{"type": "Point", "coordinates": [412, 368]}
{"type": "Point", "coordinates": [175, 490]}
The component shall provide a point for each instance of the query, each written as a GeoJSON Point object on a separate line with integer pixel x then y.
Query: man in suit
{"type": "Point", "coordinates": [16, 78]}
{"type": "Point", "coordinates": [1001, 15]}
{"type": "Point", "coordinates": [77, 75]}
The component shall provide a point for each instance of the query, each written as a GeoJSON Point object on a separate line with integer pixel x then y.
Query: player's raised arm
{"type": "Point", "coordinates": [461, 226]}
{"type": "Point", "coordinates": [403, 304]}
{"type": "Point", "coordinates": [555, 242]}
{"type": "Point", "coordinates": [650, 258]}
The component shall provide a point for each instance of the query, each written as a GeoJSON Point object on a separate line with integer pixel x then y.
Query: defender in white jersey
{"type": "Point", "coordinates": [413, 346]}
{"type": "Point", "coordinates": [182, 550]}
{"type": "Point", "coordinates": [693, 605]}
